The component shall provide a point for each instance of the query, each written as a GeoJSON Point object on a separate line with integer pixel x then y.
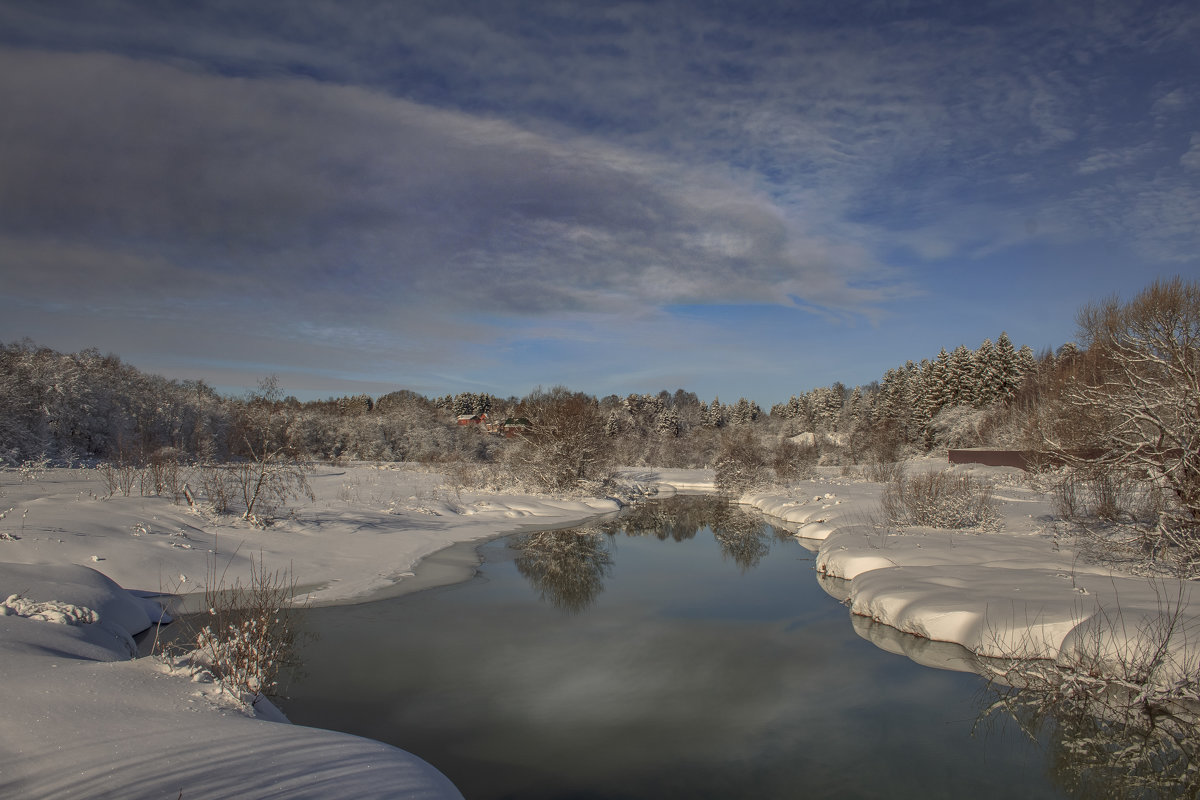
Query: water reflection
{"type": "Point", "coordinates": [1104, 740]}
{"type": "Point", "coordinates": [699, 672]}
{"type": "Point", "coordinates": [568, 567]}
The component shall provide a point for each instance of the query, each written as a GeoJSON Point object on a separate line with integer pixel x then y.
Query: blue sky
{"type": "Point", "coordinates": [736, 198]}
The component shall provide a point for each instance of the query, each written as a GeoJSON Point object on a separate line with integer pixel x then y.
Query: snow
{"type": "Point", "coordinates": [1013, 593]}
{"type": "Point", "coordinates": [83, 719]}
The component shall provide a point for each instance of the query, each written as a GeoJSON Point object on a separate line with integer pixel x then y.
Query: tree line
{"type": "Point", "coordinates": [1128, 395]}
{"type": "Point", "coordinates": [88, 406]}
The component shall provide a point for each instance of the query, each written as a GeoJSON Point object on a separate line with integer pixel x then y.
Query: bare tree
{"type": "Point", "coordinates": [566, 447]}
{"type": "Point", "coordinates": [1133, 400]}
{"type": "Point", "coordinates": [271, 466]}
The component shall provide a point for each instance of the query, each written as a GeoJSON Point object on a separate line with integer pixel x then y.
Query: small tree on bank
{"type": "Point", "coordinates": [271, 466]}
{"type": "Point", "coordinates": [1133, 399]}
{"type": "Point", "coordinates": [567, 447]}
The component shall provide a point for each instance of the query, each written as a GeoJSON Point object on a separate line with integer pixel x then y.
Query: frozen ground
{"type": "Point", "coordinates": [83, 720]}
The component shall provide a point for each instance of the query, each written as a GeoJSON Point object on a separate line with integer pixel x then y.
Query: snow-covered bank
{"type": "Point", "coordinates": [665, 481]}
{"type": "Point", "coordinates": [1012, 593]}
{"type": "Point", "coordinates": [82, 720]}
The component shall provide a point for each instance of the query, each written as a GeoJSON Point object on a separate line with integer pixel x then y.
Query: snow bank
{"type": "Point", "coordinates": [83, 720]}
{"type": "Point", "coordinates": [1015, 593]}
{"type": "Point", "coordinates": [664, 482]}
{"type": "Point", "coordinates": [815, 509]}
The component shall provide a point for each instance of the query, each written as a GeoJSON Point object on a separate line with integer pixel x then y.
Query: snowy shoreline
{"type": "Point", "coordinates": [1012, 594]}
{"type": "Point", "coordinates": [85, 720]}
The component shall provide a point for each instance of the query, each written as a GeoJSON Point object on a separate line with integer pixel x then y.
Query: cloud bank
{"type": "Point", "coordinates": [382, 192]}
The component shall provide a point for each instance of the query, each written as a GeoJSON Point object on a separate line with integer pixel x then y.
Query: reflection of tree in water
{"type": "Point", "coordinates": [1106, 741]}
{"type": "Point", "coordinates": [674, 518]}
{"type": "Point", "coordinates": [567, 567]}
{"type": "Point", "coordinates": [743, 535]}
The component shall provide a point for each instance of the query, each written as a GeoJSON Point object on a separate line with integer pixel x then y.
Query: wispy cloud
{"type": "Point", "coordinates": [413, 181]}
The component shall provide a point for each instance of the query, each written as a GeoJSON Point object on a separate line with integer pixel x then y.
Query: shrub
{"type": "Point", "coordinates": [248, 635]}
{"type": "Point", "coordinates": [940, 500]}
{"type": "Point", "coordinates": [741, 462]}
{"type": "Point", "coordinates": [792, 461]}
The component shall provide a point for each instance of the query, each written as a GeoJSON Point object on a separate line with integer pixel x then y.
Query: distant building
{"type": "Point", "coordinates": [514, 426]}
{"type": "Point", "coordinates": [473, 419]}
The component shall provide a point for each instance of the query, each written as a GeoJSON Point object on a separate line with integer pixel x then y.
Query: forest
{"type": "Point", "coordinates": [88, 407]}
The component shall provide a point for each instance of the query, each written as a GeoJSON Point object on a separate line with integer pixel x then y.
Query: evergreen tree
{"type": "Point", "coordinates": [938, 393]}
{"type": "Point", "coordinates": [825, 404]}
{"type": "Point", "coordinates": [1007, 373]}
{"type": "Point", "coordinates": [667, 423]}
{"type": "Point", "coordinates": [1026, 362]}
{"type": "Point", "coordinates": [714, 416]}
{"type": "Point", "coordinates": [612, 425]}
{"type": "Point", "coordinates": [961, 377]}
{"type": "Point", "coordinates": [986, 381]}
{"type": "Point", "coordinates": [744, 412]}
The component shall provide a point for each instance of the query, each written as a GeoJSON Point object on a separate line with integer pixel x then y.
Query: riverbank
{"type": "Point", "coordinates": [83, 719]}
{"type": "Point", "coordinates": [1017, 593]}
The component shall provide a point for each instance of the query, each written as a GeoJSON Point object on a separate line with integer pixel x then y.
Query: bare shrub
{"type": "Point", "coordinates": [119, 476]}
{"type": "Point", "coordinates": [741, 462]}
{"type": "Point", "coordinates": [162, 473]}
{"type": "Point", "coordinates": [217, 485]}
{"type": "Point", "coordinates": [1093, 490]}
{"type": "Point", "coordinates": [882, 471]}
{"type": "Point", "coordinates": [272, 466]}
{"type": "Point", "coordinates": [793, 461]}
{"type": "Point", "coordinates": [248, 635]}
{"type": "Point", "coordinates": [1123, 717]}
{"type": "Point", "coordinates": [1116, 519]}
{"type": "Point", "coordinates": [940, 500]}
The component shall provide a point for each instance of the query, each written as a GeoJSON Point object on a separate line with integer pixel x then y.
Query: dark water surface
{"type": "Point", "coordinates": [661, 661]}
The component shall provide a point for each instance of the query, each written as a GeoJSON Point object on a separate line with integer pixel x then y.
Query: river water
{"type": "Point", "coordinates": [686, 650]}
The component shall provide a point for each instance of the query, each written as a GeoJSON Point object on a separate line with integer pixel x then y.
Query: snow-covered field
{"type": "Point", "coordinates": [84, 720]}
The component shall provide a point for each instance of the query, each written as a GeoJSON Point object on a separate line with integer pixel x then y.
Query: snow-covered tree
{"type": "Point", "coordinates": [1136, 395]}
{"type": "Point", "coordinates": [1007, 373]}
{"type": "Point", "coordinates": [986, 380]}
{"type": "Point", "coordinates": [961, 377]}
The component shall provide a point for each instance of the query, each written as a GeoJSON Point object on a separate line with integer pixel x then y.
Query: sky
{"type": "Point", "coordinates": [748, 198]}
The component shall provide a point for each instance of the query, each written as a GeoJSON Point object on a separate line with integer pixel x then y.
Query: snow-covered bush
{"type": "Point", "coordinates": [940, 500]}
{"type": "Point", "coordinates": [248, 635]}
{"type": "Point", "coordinates": [1122, 704]}
{"type": "Point", "coordinates": [793, 461]}
{"type": "Point", "coordinates": [958, 426]}
{"type": "Point", "coordinates": [741, 462]}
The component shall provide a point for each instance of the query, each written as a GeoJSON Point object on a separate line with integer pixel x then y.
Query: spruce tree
{"type": "Point", "coordinates": [1007, 374]}
{"type": "Point", "coordinates": [961, 378]}
{"type": "Point", "coordinates": [986, 381]}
